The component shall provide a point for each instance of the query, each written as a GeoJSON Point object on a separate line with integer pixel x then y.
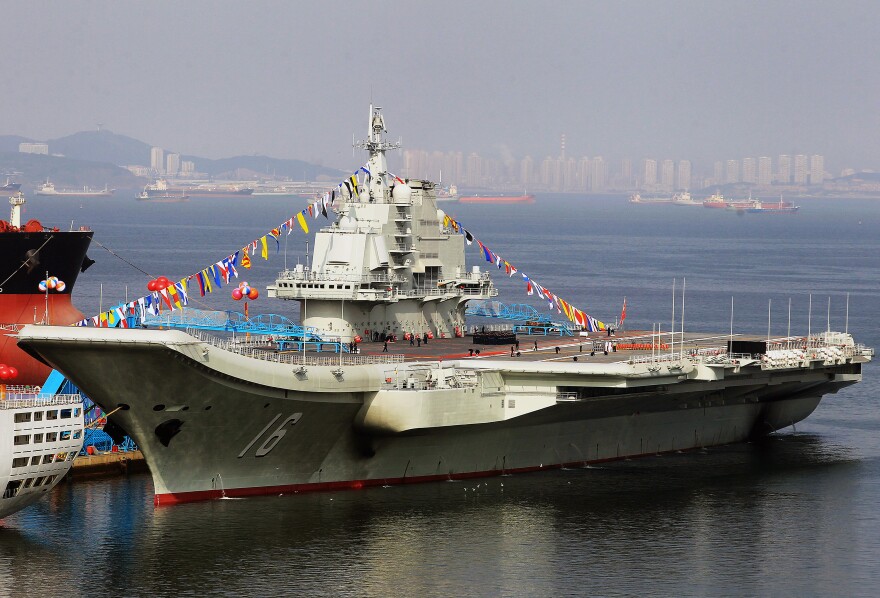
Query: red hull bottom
{"type": "Point", "coordinates": [28, 309]}
{"type": "Point", "coordinates": [174, 498]}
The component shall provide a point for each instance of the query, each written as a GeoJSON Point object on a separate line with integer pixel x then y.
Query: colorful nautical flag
{"type": "Point", "coordinates": [245, 260]}
{"type": "Point", "coordinates": [302, 222]}
{"type": "Point", "coordinates": [264, 252]}
{"type": "Point", "coordinates": [623, 312]}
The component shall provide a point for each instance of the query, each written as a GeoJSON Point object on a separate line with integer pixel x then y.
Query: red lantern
{"type": "Point", "coordinates": [253, 294]}
{"type": "Point", "coordinates": [151, 286]}
{"type": "Point", "coordinates": [13, 372]}
{"type": "Point", "coordinates": [162, 280]}
{"type": "Point", "coordinates": [4, 373]}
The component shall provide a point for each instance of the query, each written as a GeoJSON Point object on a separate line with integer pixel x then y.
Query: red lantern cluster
{"type": "Point", "coordinates": [8, 372]}
{"type": "Point", "coordinates": [159, 284]}
{"type": "Point", "coordinates": [245, 291]}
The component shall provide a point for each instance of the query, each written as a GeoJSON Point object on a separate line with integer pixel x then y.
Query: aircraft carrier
{"type": "Point", "coordinates": [235, 417]}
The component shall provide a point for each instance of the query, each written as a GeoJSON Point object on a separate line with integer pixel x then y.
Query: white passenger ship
{"type": "Point", "coordinates": [39, 438]}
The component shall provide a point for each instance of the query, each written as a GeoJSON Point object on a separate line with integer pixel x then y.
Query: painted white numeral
{"type": "Point", "coordinates": [267, 446]}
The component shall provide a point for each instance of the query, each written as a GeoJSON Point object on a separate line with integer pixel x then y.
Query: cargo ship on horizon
{"type": "Point", "coordinates": [49, 188]}
{"type": "Point", "coordinates": [524, 198]}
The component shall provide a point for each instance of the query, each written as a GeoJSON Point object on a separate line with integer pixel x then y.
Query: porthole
{"type": "Point", "coordinates": [159, 407]}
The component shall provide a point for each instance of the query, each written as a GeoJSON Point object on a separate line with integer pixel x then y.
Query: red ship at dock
{"type": "Point", "coordinates": [31, 254]}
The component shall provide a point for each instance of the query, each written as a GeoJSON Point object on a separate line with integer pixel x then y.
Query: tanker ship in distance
{"type": "Point", "coordinates": [31, 254]}
{"type": "Point", "coordinates": [524, 198]}
{"type": "Point", "coordinates": [225, 417]}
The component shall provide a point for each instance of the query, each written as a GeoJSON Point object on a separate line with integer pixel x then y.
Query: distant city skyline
{"type": "Point", "coordinates": [596, 174]}
{"type": "Point", "coordinates": [689, 79]}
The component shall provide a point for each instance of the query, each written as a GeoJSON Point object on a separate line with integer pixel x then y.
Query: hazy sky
{"type": "Point", "coordinates": [699, 80]}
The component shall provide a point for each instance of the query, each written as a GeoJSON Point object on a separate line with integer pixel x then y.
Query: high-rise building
{"type": "Point", "coordinates": [597, 176]}
{"type": "Point", "coordinates": [719, 172]}
{"type": "Point", "coordinates": [474, 172]}
{"type": "Point", "coordinates": [187, 167]}
{"type": "Point", "coordinates": [570, 175]}
{"type": "Point", "coordinates": [765, 171]}
{"type": "Point", "coordinates": [527, 172]}
{"type": "Point", "coordinates": [584, 173]}
{"type": "Point", "coordinates": [750, 171]}
{"type": "Point", "coordinates": [732, 172]}
{"type": "Point", "coordinates": [626, 173]}
{"type": "Point", "coordinates": [650, 173]}
{"type": "Point", "coordinates": [817, 169]}
{"type": "Point", "coordinates": [667, 174]}
{"type": "Point", "coordinates": [684, 175]}
{"type": "Point", "coordinates": [33, 148]}
{"type": "Point", "coordinates": [548, 168]}
{"type": "Point", "coordinates": [783, 169]}
{"type": "Point", "coordinates": [801, 171]}
{"type": "Point", "coordinates": [172, 164]}
{"type": "Point", "coordinates": [157, 159]}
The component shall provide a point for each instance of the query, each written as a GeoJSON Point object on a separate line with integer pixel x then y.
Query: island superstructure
{"type": "Point", "coordinates": [219, 417]}
{"type": "Point", "coordinates": [389, 263]}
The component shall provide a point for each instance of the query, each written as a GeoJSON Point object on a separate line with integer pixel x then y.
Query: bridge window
{"type": "Point", "coordinates": [51, 436]}
{"type": "Point", "coordinates": [22, 439]}
{"type": "Point", "coordinates": [38, 438]}
{"type": "Point", "coordinates": [20, 462]}
{"type": "Point", "coordinates": [65, 435]}
{"type": "Point", "coordinates": [66, 413]}
{"type": "Point", "coordinates": [12, 488]}
{"type": "Point", "coordinates": [38, 416]}
{"type": "Point", "coordinates": [35, 460]}
{"type": "Point", "coordinates": [21, 418]}
{"type": "Point", "coordinates": [48, 459]}
{"type": "Point", "coordinates": [52, 414]}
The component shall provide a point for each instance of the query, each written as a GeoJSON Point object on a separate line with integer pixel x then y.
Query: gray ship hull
{"type": "Point", "coordinates": [215, 423]}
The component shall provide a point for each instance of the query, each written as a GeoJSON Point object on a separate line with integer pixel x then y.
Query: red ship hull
{"type": "Point", "coordinates": [30, 309]}
{"type": "Point", "coordinates": [498, 199]}
{"type": "Point", "coordinates": [28, 257]}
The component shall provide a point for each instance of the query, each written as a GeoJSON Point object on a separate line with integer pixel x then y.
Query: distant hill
{"type": "Point", "coordinates": [64, 172]}
{"type": "Point", "coordinates": [247, 167]}
{"type": "Point", "coordinates": [9, 143]}
{"type": "Point", "coordinates": [102, 146]}
{"type": "Point", "coordinates": [109, 148]}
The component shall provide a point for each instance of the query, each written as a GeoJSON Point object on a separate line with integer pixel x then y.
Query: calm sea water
{"type": "Point", "coordinates": [795, 514]}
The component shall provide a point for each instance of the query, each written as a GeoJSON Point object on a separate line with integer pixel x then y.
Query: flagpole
{"type": "Point", "coordinates": [828, 321]}
{"type": "Point", "coordinates": [681, 339]}
{"type": "Point", "coordinates": [730, 343]}
{"type": "Point", "coordinates": [769, 303]}
{"type": "Point", "coordinates": [788, 334]}
{"type": "Point", "coordinates": [846, 327]}
{"type": "Point", "coordinates": [810, 318]}
{"type": "Point", "coordinates": [672, 328]}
